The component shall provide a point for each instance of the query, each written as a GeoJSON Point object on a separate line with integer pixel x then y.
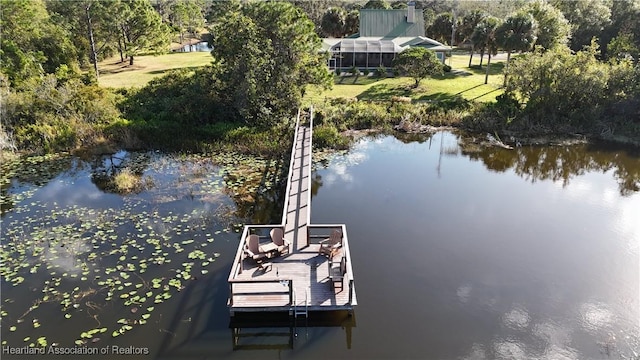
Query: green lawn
{"type": "Point", "coordinates": [113, 73]}
{"type": "Point", "coordinates": [468, 83]}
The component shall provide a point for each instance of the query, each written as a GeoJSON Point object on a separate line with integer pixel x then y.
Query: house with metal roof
{"type": "Point", "coordinates": [383, 34]}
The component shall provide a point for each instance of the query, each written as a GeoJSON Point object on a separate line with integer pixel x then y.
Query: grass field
{"type": "Point", "coordinates": [462, 81]}
{"type": "Point", "coordinates": [113, 73]}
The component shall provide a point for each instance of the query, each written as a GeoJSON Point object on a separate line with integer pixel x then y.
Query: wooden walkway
{"type": "Point", "coordinates": [297, 282]}
{"type": "Point", "coordinates": [296, 213]}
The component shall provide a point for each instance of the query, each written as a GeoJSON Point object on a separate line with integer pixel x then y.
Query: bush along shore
{"type": "Point", "coordinates": [188, 111]}
{"type": "Point", "coordinates": [552, 95]}
{"type": "Point", "coordinates": [337, 122]}
{"type": "Point", "coordinates": [336, 119]}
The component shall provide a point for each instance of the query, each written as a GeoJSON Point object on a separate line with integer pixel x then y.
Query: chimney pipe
{"type": "Point", "coordinates": [411, 12]}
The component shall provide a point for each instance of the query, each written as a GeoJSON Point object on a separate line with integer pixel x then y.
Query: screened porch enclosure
{"type": "Point", "coordinates": [351, 53]}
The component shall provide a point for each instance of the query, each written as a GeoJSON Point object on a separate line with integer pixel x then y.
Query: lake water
{"type": "Point", "coordinates": [200, 46]}
{"type": "Point", "coordinates": [459, 252]}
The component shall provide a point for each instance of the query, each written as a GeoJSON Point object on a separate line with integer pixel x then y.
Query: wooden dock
{"type": "Point", "coordinates": [298, 281]}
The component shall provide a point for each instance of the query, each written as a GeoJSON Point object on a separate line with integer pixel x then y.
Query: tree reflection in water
{"type": "Point", "coordinates": [562, 163]}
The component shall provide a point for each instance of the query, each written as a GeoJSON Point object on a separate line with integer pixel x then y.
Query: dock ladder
{"type": "Point", "coordinates": [301, 309]}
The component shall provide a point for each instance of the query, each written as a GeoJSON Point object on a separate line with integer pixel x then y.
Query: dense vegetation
{"type": "Point", "coordinates": [557, 91]}
{"type": "Point", "coordinates": [266, 53]}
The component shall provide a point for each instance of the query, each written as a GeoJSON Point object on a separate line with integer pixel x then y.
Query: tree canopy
{"type": "Point", "coordinates": [553, 27]}
{"type": "Point", "coordinates": [587, 17]}
{"type": "Point", "coordinates": [266, 54]}
{"type": "Point", "coordinates": [517, 33]}
{"type": "Point", "coordinates": [467, 26]}
{"type": "Point", "coordinates": [142, 28]}
{"type": "Point", "coordinates": [484, 36]}
{"type": "Point", "coordinates": [333, 22]}
{"type": "Point", "coordinates": [625, 24]}
{"type": "Point", "coordinates": [440, 30]}
{"type": "Point", "coordinates": [558, 88]}
{"type": "Point", "coordinates": [377, 4]}
{"type": "Point", "coordinates": [187, 16]}
{"type": "Point", "coordinates": [418, 63]}
{"type": "Point", "coordinates": [352, 22]}
{"type": "Point", "coordinates": [31, 44]}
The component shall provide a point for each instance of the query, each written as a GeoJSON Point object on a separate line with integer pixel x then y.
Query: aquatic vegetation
{"type": "Point", "coordinates": [85, 261]}
{"type": "Point", "coordinates": [126, 181]}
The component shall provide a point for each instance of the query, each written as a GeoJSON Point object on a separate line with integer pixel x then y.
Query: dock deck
{"type": "Point", "coordinates": [298, 281]}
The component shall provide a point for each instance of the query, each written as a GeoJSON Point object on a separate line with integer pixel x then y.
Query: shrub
{"type": "Point", "coordinates": [381, 71]}
{"type": "Point", "coordinates": [446, 68]}
{"type": "Point", "coordinates": [365, 72]}
{"type": "Point", "coordinates": [457, 102]}
{"type": "Point", "coordinates": [327, 136]}
{"type": "Point", "coordinates": [341, 100]}
{"type": "Point", "coordinates": [219, 130]}
{"type": "Point", "coordinates": [46, 115]}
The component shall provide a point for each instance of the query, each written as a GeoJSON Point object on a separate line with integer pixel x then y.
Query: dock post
{"type": "Point", "coordinates": [291, 292]}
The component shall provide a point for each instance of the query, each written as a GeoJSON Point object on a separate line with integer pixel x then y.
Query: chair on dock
{"type": "Point", "coordinates": [337, 271]}
{"type": "Point", "coordinates": [277, 237]}
{"type": "Point", "coordinates": [252, 249]}
{"type": "Point", "coordinates": [332, 245]}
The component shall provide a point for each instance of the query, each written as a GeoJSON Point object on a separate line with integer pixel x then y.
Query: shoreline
{"type": "Point", "coordinates": [505, 139]}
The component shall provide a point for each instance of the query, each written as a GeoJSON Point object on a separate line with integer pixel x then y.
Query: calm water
{"type": "Point", "coordinates": [200, 46]}
{"type": "Point", "coordinates": [525, 254]}
{"type": "Point", "coordinates": [459, 252]}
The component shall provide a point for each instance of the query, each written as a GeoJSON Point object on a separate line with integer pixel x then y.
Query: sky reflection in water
{"type": "Point", "coordinates": [531, 253]}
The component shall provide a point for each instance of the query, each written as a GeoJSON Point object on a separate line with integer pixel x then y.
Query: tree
{"type": "Point", "coordinates": [468, 24]}
{"type": "Point", "coordinates": [429, 17]}
{"type": "Point", "coordinates": [516, 33]}
{"type": "Point", "coordinates": [625, 20]}
{"type": "Point", "coordinates": [333, 22]}
{"type": "Point", "coordinates": [437, 6]}
{"type": "Point", "coordinates": [499, 9]}
{"type": "Point", "coordinates": [485, 36]}
{"type": "Point", "coordinates": [316, 9]}
{"type": "Point", "coordinates": [376, 4]}
{"type": "Point", "coordinates": [218, 10]}
{"type": "Point", "coordinates": [570, 91]}
{"type": "Point", "coordinates": [187, 16]}
{"type": "Point", "coordinates": [352, 22]}
{"type": "Point", "coordinates": [31, 44]}
{"type": "Point", "coordinates": [142, 28]}
{"type": "Point", "coordinates": [553, 27]}
{"type": "Point", "coordinates": [587, 18]}
{"type": "Point", "coordinates": [479, 39]}
{"type": "Point", "coordinates": [418, 63]}
{"type": "Point", "coordinates": [266, 54]}
{"type": "Point", "coordinates": [623, 47]}
{"type": "Point", "coordinates": [440, 30]}
{"type": "Point", "coordinates": [91, 25]}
